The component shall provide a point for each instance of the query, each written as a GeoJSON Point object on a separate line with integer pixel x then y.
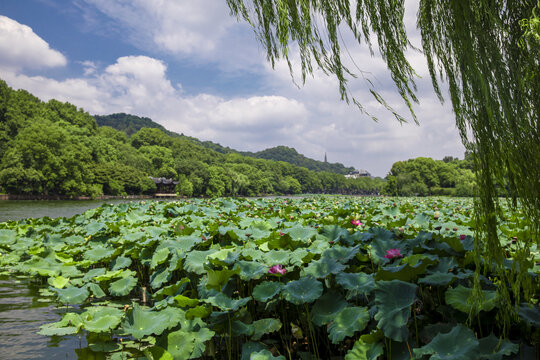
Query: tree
{"type": "Point", "coordinates": [488, 51]}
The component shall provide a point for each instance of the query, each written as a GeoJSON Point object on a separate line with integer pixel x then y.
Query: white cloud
{"type": "Point", "coordinates": [21, 48]}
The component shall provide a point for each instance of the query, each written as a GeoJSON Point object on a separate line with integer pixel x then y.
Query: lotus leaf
{"type": "Point", "coordinates": [326, 307]}
{"type": "Point", "coordinates": [225, 303]}
{"type": "Point", "coordinates": [217, 279]}
{"type": "Point", "coordinates": [198, 312]}
{"type": "Point", "coordinates": [7, 237]}
{"type": "Point", "coordinates": [265, 355]}
{"type": "Point", "coordinates": [170, 290]}
{"type": "Point", "coordinates": [94, 227]}
{"type": "Point", "coordinates": [91, 274]}
{"type": "Point", "coordinates": [184, 301]}
{"type": "Point", "coordinates": [438, 279]}
{"type": "Point", "coordinates": [95, 289]}
{"type": "Point", "coordinates": [276, 257]}
{"type": "Point", "coordinates": [341, 253]}
{"type": "Point", "coordinates": [160, 276]}
{"type": "Point", "coordinates": [530, 313]}
{"type": "Point", "coordinates": [459, 343]}
{"type": "Point", "coordinates": [140, 323]}
{"type": "Point", "coordinates": [98, 253]}
{"type": "Point", "coordinates": [365, 351]}
{"type": "Point", "coordinates": [69, 324]}
{"type": "Point", "coordinates": [58, 282]}
{"type": "Point", "coordinates": [184, 344]}
{"type": "Point", "coordinates": [347, 322]}
{"type": "Point", "coordinates": [157, 353]}
{"type": "Point", "coordinates": [356, 283]}
{"type": "Point", "coordinates": [458, 299]}
{"type": "Point", "coordinates": [104, 320]}
{"type": "Point", "coordinates": [159, 257]}
{"type": "Point", "coordinates": [324, 267]}
{"type": "Point", "coordinates": [250, 270]}
{"type": "Point", "coordinates": [264, 326]}
{"type": "Point", "coordinates": [120, 262]}
{"type": "Point", "coordinates": [109, 275]}
{"type": "Point", "coordinates": [393, 300]}
{"type": "Point", "coordinates": [250, 348]}
{"type": "Point", "coordinates": [490, 349]}
{"type": "Point", "coordinates": [266, 290]}
{"type": "Point", "coordinates": [305, 290]}
{"type": "Point", "coordinates": [300, 233]}
{"type": "Point", "coordinates": [123, 286]}
{"type": "Point", "coordinates": [72, 295]}
{"type": "Point", "coordinates": [195, 261]}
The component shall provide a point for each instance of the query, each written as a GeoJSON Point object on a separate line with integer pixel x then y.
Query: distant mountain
{"type": "Point", "coordinates": [290, 155]}
{"type": "Point", "coordinates": [130, 124]}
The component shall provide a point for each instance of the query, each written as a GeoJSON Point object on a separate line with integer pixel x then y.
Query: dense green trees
{"type": "Point", "coordinates": [425, 176]}
{"type": "Point", "coordinates": [55, 149]}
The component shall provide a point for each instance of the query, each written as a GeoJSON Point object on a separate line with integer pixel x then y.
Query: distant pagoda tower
{"type": "Point", "coordinates": [325, 158]}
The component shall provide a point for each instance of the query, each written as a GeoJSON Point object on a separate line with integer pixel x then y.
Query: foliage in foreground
{"type": "Point", "coordinates": [352, 278]}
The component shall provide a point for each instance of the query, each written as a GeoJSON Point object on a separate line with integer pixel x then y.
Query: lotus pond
{"type": "Point", "coordinates": [312, 278]}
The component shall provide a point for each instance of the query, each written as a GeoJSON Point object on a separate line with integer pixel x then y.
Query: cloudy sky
{"type": "Point", "coordinates": [194, 69]}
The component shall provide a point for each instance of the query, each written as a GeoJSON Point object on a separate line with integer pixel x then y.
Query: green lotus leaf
{"type": "Point", "coordinates": [458, 299]}
{"type": "Point", "coordinates": [198, 312]}
{"type": "Point", "coordinates": [324, 267]}
{"type": "Point", "coordinates": [341, 253]}
{"type": "Point", "coordinates": [530, 313]}
{"type": "Point", "coordinates": [95, 289]}
{"type": "Point", "coordinates": [98, 253]}
{"type": "Point", "coordinates": [365, 351]}
{"type": "Point", "coordinates": [347, 322]}
{"type": "Point", "coordinates": [58, 282]}
{"type": "Point", "coordinates": [252, 254]}
{"type": "Point", "coordinates": [250, 348]}
{"type": "Point", "coordinates": [72, 295]}
{"type": "Point", "coordinates": [102, 323]}
{"type": "Point", "coordinates": [70, 271]}
{"type": "Point", "coordinates": [438, 279]}
{"type": "Point", "coordinates": [333, 232]}
{"type": "Point", "coordinates": [459, 343]}
{"type": "Point", "coordinates": [160, 277]}
{"type": "Point", "coordinates": [264, 326]}
{"type": "Point", "coordinates": [225, 303]}
{"type": "Point", "coordinates": [276, 257]}
{"type": "Point", "coordinates": [7, 237]}
{"type": "Point", "coordinates": [159, 257]}
{"type": "Point", "coordinates": [184, 301]}
{"type": "Point", "coordinates": [123, 286]}
{"type": "Point", "coordinates": [300, 233]}
{"type": "Point", "coordinates": [490, 349]}
{"type": "Point", "coordinates": [120, 262]}
{"type": "Point", "coordinates": [217, 279]}
{"type": "Point", "coordinates": [94, 227]}
{"type": "Point", "coordinates": [195, 261]}
{"type": "Point", "coordinates": [182, 344]}
{"type": "Point", "coordinates": [171, 290]}
{"type": "Point", "coordinates": [157, 353]}
{"type": "Point", "coordinates": [419, 221]}
{"type": "Point", "coordinates": [92, 273]}
{"type": "Point", "coordinates": [380, 245]}
{"type": "Point", "coordinates": [411, 267]}
{"type": "Point", "coordinates": [326, 307]}
{"type": "Point", "coordinates": [109, 275]}
{"type": "Point", "coordinates": [250, 270]}
{"type": "Point", "coordinates": [52, 330]}
{"type": "Point", "coordinates": [356, 283]}
{"type": "Point", "coordinates": [265, 355]}
{"type": "Point", "coordinates": [393, 300]}
{"type": "Point", "coordinates": [140, 323]}
{"type": "Point", "coordinates": [305, 290]}
{"type": "Point", "coordinates": [266, 290]}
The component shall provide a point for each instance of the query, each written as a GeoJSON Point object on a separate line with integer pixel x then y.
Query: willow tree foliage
{"type": "Point", "coordinates": [485, 51]}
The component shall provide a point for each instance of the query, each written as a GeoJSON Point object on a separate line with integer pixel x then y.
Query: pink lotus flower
{"type": "Point", "coordinates": [392, 253]}
{"type": "Point", "coordinates": [356, 223]}
{"type": "Point", "coordinates": [462, 237]}
{"type": "Point", "coordinates": [281, 233]}
{"type": "Point", "coordinates": [277, 269]}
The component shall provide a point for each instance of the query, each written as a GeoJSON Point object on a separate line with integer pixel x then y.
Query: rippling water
{"type": "Point", "coordinates": [22, 312]}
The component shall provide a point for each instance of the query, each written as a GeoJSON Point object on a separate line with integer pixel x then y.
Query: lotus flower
{"type": "Point", "coordinates": [392, 253]}
{"type": "Point", "coordinates": [277, 269]}
{"type": "Point", "coordinates": [356, 223]}
{"type": "Point", "coordinates": [462, 237]}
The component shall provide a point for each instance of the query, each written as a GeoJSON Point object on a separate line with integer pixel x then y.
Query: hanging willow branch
{"type": "Point", "coordinates": [487, 51]}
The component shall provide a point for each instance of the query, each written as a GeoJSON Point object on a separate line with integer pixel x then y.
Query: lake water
{"type": "Point", "coordinates": [22, 309]}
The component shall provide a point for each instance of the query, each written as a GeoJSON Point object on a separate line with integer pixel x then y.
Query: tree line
{"type": "Point", "coordinates": [55, 149]}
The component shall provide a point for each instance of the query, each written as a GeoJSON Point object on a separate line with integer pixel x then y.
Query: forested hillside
{"type": "Point", "coordinates": [130, 124]}
{"type": "Point", "coordinates": [53, 148]}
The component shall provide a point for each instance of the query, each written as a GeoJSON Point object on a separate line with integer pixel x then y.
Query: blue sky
{"type": "Point", "coordinates": [194, 69]}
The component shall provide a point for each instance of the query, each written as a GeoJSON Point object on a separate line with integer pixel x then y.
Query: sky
{"type": "Point", "coordinates": [196, 70]}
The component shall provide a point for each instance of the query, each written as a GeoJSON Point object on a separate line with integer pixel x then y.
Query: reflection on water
{"type": "Point", "coordinates": [22, 209]}
{"type": "Point", "coordinates": [22, 312]}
